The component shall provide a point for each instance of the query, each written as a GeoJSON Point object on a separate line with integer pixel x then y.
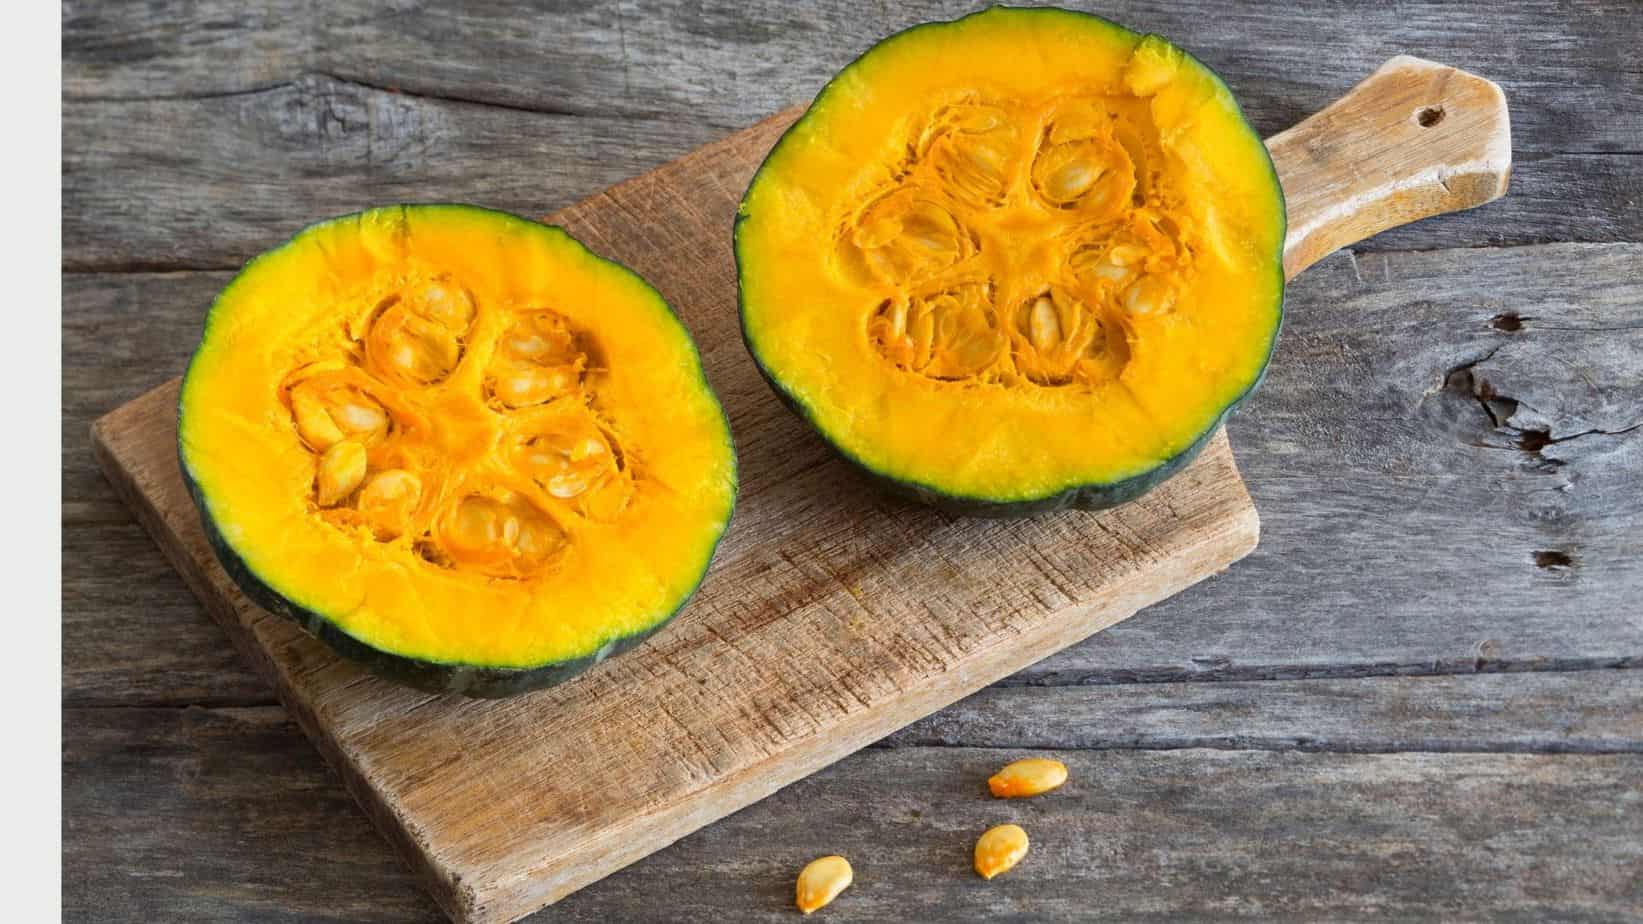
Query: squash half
{"type": "Point", "coordinates": [1024, 260]}
{"type": "Point", "coordinates": [456, 446]}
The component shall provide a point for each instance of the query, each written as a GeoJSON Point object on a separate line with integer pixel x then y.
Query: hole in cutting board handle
{"type": "Point", "coordinates": [1429, 116]}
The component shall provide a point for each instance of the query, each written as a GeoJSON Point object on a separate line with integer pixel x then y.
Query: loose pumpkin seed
{"type": "Point", "coordinates": [821, 881]}
{"type": "Point", "coordinates": [999, 849]}
{"type": "Point", "coordinates": [1029, 777]}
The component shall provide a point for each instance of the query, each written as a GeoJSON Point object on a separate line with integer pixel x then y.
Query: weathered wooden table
{"type": "Point", "coordinates": [1421, 697]}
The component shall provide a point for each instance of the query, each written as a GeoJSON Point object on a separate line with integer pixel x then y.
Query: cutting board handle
{"type": "Point", "coordinates": [1413, 140]}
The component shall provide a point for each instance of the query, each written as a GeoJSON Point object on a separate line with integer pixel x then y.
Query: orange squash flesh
{"type": "Point", "coordinates": [1028, 256]}
{"type": "Point", "coordinates": [457, 437]}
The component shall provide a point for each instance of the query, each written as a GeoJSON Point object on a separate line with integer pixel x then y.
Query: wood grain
{"type": "Point", "coordinates": [1574, 712]}
{"type": "Point", "coordinates": [1184, 833]}
{"type": "Point", "coordinates": [727, 63]}
{"type": "Point", "coordinates": [1408, 526]}
{"type": "Point", "coordinates": [1413, 140]}
{"type": "Point", "coordinates": [205, 134]}
{"type": "Point", "coordinates": [256, 167]}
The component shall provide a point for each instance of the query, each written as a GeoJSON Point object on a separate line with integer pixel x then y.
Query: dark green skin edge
{"type": "Point", "coordinates": [478, 681]}
{"type": "Point", "coordinates": [1091, 496]}
{"type": "Point", "coordinates": [428, 676]}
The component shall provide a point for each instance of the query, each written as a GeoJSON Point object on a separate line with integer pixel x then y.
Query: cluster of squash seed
{"type": "Point", "coordinates": [383, 465]}
{"type": "Point", "coordinates": [991, 185]}
{"type": "Point", "coordinates": [997, 851]}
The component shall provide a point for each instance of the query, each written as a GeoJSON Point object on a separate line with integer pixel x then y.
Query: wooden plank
{"type": "Point", "coordinates": [123, 334]}
{"type": "Point", "coordinates": [228, 176]}
{"type": "Point", "coordinates": [134, 635]}
{"type": "Point", "coordinates": [208, 183]}
{"type": "Point", "coordinates": [1577, 712]}
{"type": "Point", "coordinates": [217, 815]}
{"type": "Point", "coordinates": [1356, 454]}
{"type": "Point", "coordinates": [728, 65]}
{"type": "Point", "coordinates": [1178, 835]}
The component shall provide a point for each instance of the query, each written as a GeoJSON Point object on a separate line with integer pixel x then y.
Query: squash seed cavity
{"type": "Point", "coordinates": [574, 459]}
{"type": "Point", "coordinates": [951, 335]}
{"type": "Point", "coordinates": [370, 415]}
{"type": "Point", "coordinates": [1021, 243]}
{"type": "Point", "coordinates": [498, 533]}
{"type": "Point", "coordinates": [417, 335]}
{"type": "Point", "coordinates": [538, 359]}
{"type": "Point", "coordinates": [1059, 338]}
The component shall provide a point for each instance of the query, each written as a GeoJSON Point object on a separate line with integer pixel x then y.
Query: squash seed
{"type": "Point", "coordinates": [821, 881]}
{"type": "Point", "coordinates": [314, 425]}
{"type": "Point", "coordinates": [1030, 777]}
{"type": "Point", "coordinates": [999, 849]}
{"type": "Point", "coordinates": [567, 485]}
{"type": "Point", "coordinates": [524, 387]}
{"type": "Point", "coordinates": [389, 487]}
{"type": "Point", "coordinates": [978, 120]}
{"type": "Point", "coordinates": [1071, 180]}
{"type": "Point", "coordinates": [357, 418]}
{"type": "Point", "coordinates": [474, 525]}
{"type": "Point", "coordinates": [387, 498]}
{"type": "Point", "coordinates": [1126, 254]}
{"type": "Point", "coordinates": [529, 347]}
{"type": "Point", "coordinates": [1111, 272]}
{"type": "Point", "coordinates": [341, 469]}
{"type": "Point", "coordinates": [411, 347]}
{"type": "Point", "coordinates": [1043, 326]}
{"type": "Point", "coordinates": [449, 305]}
{"type": "Point", "coordinates": [1149, 295]}
{"type": "Point", "coordinates": [898, 321]}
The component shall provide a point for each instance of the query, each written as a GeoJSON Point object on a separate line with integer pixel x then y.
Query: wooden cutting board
{"type": "Point", "coordinates": [832, 615]}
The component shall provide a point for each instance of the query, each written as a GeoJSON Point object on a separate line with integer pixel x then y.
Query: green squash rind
{"type": "Point", "coordinates": [473, 680]}
{"type": "Point", "coordinates": [1083, 496]}
{"type": "Point", "coordinates": [428, 676]}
